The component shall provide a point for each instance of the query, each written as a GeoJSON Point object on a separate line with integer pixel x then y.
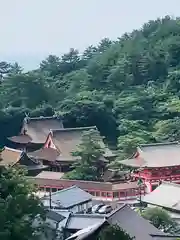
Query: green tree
{"type": "Point", "coordinates": [20, 210]}
{"type": "Point", "coordinates": [89, 155]}
{"type": "Point", "coordinates": [161, 220]}
{"type": "Point", "coordinates": [113, 232]}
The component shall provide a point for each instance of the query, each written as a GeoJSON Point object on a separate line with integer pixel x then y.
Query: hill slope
{"type": "Point", "coordinates": [128, 88]}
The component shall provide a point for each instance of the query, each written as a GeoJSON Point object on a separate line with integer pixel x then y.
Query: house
{"type": "Point", "coordinates": [34, 132]}
{"type": "Point", "coordinates": [154, 163]}
{"type": "Point", "coordinates": [72, 199]}
{"type": "Point", "coordinates": [131, 222]}
{"type": "Point", "coordinates": [12, 157]}
{"type": "Point", "coordinates": [59, 145]}
{"type": "Point", "coordinates": [167, 196]}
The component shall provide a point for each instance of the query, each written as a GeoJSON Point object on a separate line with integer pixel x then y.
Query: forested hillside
{"type": "Point", "coordinates": [128, 88]}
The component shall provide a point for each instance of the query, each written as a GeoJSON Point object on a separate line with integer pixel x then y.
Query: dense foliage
{"type": "Point", "coordinates": [89, 164]}
{"type": "Point", "coordinates": [22, 216]}
{"type": "Point", "coordinates": [161, 220]}
{"type": "Point", "coordinates": [128, 88]}
{"type": "Point", "coordinates": [113, 232]}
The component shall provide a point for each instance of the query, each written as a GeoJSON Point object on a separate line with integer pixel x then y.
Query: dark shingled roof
{"type": "Point", "coordinates": [80, 221]}
{"type": "Point", "coordinates": [69, 197]}
{"type": "Point", "coordinates": [9, 156]}
{"type": "Point", "coordinates": [155, 155]}
{"type": "Point", "coordinates": [37, 129]}
{"type": "Point", "coordinates": [55, 216]}
{"type": "Point", "coordinates": [49, 154]}
{"type": "Point", "coordinates": [135, 225]}
{"type": "Point", "coordinates": [66, 141]}
{"type": "Point", "coordinates": [130, 221]}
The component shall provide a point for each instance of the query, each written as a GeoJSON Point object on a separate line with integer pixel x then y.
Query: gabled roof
{"type": "Point", "coordinates": [165, 195]}
{"type": "Point", "coordinates": [49, 154]}
{"type": "Point", "coordinates": [67, 140]}
{"type": "Point", "coordinates": [69, 197]}
{"type": "Point", "coordinates": [37, 129]}
{"type": "Point", "coordinates": [155, 155]}
{"type": "Point", "coordinates": [130, 221]}
{"type": "Point", "coordinates": [80, 221]}
{"type": "Point", "coordinates": [135, 225]}
{"type": "Point", "coordinates": [9, 156]}
{"type": "Point", "coordinates": [87, 232]}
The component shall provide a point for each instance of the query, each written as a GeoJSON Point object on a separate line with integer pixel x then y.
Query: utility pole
{"type": "Point", "coordinates": [50, 199]}
{"type": "Point", "coordinates": [140, 182]}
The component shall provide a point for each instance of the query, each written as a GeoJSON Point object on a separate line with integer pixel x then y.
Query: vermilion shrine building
{"type": "Point", "coordinates": [155, 162]}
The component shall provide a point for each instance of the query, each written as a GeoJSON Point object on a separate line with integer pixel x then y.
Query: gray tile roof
{"type": "Point", "coordinates": [69, 197]}
{"type": "Point", "coordinates": [125, 217]}
{"type": "Point", "coordinates": [135, 225]}
{"type": "Point", "coordinates": [80, 221]}
{"type": "Point", "coordinates": [166, 195]}
{"type": "Point", "coordinates": [55, 216]}
{"type": "Point", "coordinates": [156, 155]}
{"type": "Point", "coordinates": [86, 232]}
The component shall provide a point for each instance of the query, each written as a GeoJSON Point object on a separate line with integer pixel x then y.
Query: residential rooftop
{"type": "Point", "coordinates": [130, 221]}
{"type": "Point", "coordinates": [69, 197]}
{"type": "Point", "coordinates": [166, 195]}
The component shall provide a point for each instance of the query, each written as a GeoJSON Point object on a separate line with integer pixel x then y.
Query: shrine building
{"type": "Point", "coordinates": [154, 163]}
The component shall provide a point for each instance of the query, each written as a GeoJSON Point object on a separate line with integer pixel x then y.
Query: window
{"type": "Point", "coordinates": [47, 189]}
{"type": "Point", "coordinates": [115, 194]}
{"type": "Point", "coordinates": [97, 194]}
{"type": "Point", "coordinates": [109, 194]}
{"type": "Point", "coordinates": [54, 189]}
{"type": "Point", "coordinates": [92, 193]}
{"type": "Point", "coordinates": [122, 194]}
{"type": "Point", "coordinates": [103, 194]}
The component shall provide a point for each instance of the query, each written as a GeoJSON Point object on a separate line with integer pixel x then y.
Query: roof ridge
{"type": "Point", "coordinates": [65, 189]}
{"type": "Point", "coordinates": [170, 183]}
{"type": "Point", "coordinates": [87, 215]}
{"type": "Point", "coordinates": [72, 129]}
{"type": "Point", "coordinates": [43, 118]}
{"type": "Point", "coordinates": [12, 149]}
{"type": "Point", "coordinates": [116, 210]}
{"type": "Point", "coordinates": [159, 144]}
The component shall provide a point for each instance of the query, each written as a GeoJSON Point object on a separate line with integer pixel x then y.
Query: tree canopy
{"type": "Point", "coordinates": [161, 220]}
{"type": "Point", "coordinates": [129, 88]}
{"type": "Point", "coordinates": [19, 207]}
{"type": "Point", "coordinates": [89, 165]}
{"type": "Point", "coordinates": [113, 232]}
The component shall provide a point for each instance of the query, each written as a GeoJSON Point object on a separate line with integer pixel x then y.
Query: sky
{"type": "Point", "coordinates": [30, 30]}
